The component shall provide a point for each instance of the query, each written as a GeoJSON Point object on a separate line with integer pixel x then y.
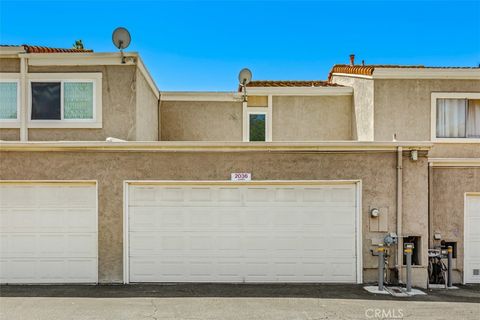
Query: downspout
{"type": "Point", "coordinates": [430, 205]}
{"type": "Point", "coordinates": [399, 255]}
{"type": "Point", "coordinates": [23, 98]}
{"type": "Point", "coordinates": [159, 118]}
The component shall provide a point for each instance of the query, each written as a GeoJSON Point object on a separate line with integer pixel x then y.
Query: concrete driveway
{"type": "Point", "coordinates": [230, 302]}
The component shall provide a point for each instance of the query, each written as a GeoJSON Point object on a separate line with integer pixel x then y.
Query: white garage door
{"type": "Point", "coordinates": [227, 232]}
{"type": "Point", "coordinates": [472, 239]}
{"type": "Point", "coordinates": [48, 232]}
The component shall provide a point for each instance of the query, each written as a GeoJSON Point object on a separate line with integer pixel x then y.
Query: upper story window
{"type": "Point", "coordinates": [257, 119]}
{"type": "Point", "coordinates": [9, 100]}
{"type": "Point", "coordinates": [456, 115]}
{"type": "Point", "coordinates": [257, 126]}
{"type": "Point", "coordinates": [62, 100]}
{"type": "Point", "coordinates": [65, 100]}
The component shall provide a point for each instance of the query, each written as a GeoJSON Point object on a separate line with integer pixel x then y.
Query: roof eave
{"type": "Point", "coordinates": [11, 51]}
{"type": "Point", "coordinates": [300, 91]}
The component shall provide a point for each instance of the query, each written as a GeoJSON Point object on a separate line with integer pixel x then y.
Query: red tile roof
{"type": "Point", "coordinates": [40, 49]}
{"type": "Point", "coordinates": [367, 70]}
{"type": "Point", "coordinates": [290, 83]}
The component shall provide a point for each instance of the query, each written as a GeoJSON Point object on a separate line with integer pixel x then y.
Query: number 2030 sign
{"type": "Point", "coordinates": [241, 176]}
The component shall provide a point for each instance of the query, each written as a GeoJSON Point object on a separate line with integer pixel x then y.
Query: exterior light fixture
{"type": "Point", "coordinates": [414, 155]}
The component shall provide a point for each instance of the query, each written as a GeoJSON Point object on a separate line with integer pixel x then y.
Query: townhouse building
{"type": "Point", "coordinates": [107, 179]}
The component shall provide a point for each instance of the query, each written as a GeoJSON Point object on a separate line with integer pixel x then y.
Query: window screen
{"type": "Point", "coordinates": [8, 100]}
{"type": "Point", "coordinates": [257, 127]}
{"type": "Point", "coordinates": [46, 102]}
{"type": "Point", "coordinates": [78, 100]}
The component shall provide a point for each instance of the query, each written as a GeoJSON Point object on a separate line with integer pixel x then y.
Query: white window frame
{"type": "Point", "coordinates": [260, 112]}
{"type": "Point", "coordinates": [433, 120]}
{"type": "Point", "coordinates": [267, 110]}
{"type": "Point", "coordinates": [12, 77]}
{"type": "Point", "coordinates": [95, 78]}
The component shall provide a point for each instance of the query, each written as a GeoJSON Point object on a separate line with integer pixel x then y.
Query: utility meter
{"type": "Point", "coordinates": [390, 239]}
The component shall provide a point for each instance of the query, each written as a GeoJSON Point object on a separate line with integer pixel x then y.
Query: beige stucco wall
{"type": "Point", "coordinates": [306, 118]}
{"type": "Point", "coordinates": [9, 65]}
{"type": "Point", "coordinates": [455, 150]}
{"type": "Point", "coordinates": [146, 113]}
{"type": "Point", "coordinates": [377, 171]}
{"type": "Point", "coordinates": [404, 106]}
{"type": "Point", "coordinates": [201, 121]}
{"type": "Point", "coordinates": [12, 134]}
{"type": "Point", "coordinates": [362, 113]}
{"type": "Point", "coordinates": [126, 97]}
{"type": "Point", "coordinates": [118, 106]}
{"type": "Point", "coordinates": [449, 187]}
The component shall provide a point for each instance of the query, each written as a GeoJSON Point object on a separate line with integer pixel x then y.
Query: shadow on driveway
{"type": "Point", "coordinates": [470, 293]}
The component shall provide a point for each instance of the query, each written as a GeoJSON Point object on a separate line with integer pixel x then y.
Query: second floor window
{"type": "Point", "coordinates": [62, 100]}
{"type": "Point", "coordinates": [257, 126]}
{"type": "Point", "coordinates": [8, 100]}
{"type": "Point", "coordinates": [458, 118]}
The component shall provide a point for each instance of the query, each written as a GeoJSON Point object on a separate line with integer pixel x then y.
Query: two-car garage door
{"type": "Point", "coordinates": [242, 232]}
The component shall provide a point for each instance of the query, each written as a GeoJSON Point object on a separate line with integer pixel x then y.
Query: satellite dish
{"type": "Point", "coordinates": [121, 38]}
{"type": "Point", "coordinates": [245, 76]}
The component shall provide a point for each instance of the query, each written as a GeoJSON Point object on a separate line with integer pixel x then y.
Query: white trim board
{"type": "Point", "coordinates": [358, 210]}
{"type": "Point", "coordinates": [454, 162]}
{"type": "Point", "coordinates": [267, 111]}
{"type": "Point", "coordinates": [427, 73]}
{"type": "Point", "coordinates": [201, 96]}
{"type": "Point", "coordinates": [148, 77]}
{"type": "Point", "coordinates": [418, 73]}
{"type": "Point", "coordinates": [202, 146]}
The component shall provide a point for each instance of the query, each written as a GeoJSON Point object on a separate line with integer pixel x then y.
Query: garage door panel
{"type": "Point", "coordinates": [243, 234]}
{"type": "Point", "coordinates": [48, 245]}
{"type": "Point", "coordinates": [81, 220]}
{"type": "Point", "coordinates": [19, 245]}
{"type": "Point", "coordinates": [23, 219]}
{"type": "Point", "coordinates": [12, 196]}
{"type": "Point", "coordinates": [286, 195]}
{"type": "Point", "coordinates": [145, 218]}
{"type": "Point", "coordinates": [51, 220]}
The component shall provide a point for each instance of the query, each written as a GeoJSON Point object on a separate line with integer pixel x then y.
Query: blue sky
{"type": "Point", "coordinates": [196, 45]}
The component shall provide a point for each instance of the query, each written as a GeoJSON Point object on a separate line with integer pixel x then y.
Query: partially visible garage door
{"type": "Point", "coordinates": [227, 232]}
{"type": "Point", "coordinates": [472, 239]}
{"type": "Point", "coordinates": [48, 232]}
